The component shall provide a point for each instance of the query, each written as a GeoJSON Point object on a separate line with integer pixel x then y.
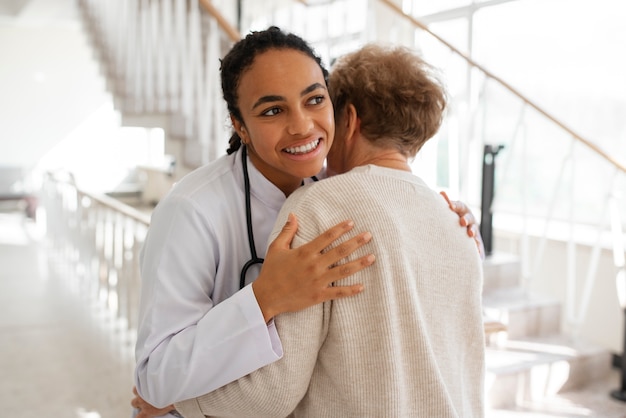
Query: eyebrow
{"type": "Point", "coordinates": [273, 98]}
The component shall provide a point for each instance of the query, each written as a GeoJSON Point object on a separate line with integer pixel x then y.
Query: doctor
{"type": "Point", "coordinates": [202, 324]}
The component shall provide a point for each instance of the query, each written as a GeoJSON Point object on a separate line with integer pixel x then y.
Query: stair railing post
{"type": "Point", "coordinates": [488, 186]}
{"type": "Point", "coordinates": [620, 394]}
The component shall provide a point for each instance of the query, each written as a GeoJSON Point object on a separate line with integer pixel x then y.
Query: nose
{"type": "Point", "coordinates": [300, 122]}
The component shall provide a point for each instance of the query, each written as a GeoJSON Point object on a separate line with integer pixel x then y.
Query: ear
{"type": "Point", "coordinates": [352, 122]}
{"type": "Point", "coordinates": [240, 128]}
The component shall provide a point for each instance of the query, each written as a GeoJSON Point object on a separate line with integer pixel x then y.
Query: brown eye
{"type": "Point", "coordinates": [273, 111]}
{"type": "Point", "coordinates": [316, 100]}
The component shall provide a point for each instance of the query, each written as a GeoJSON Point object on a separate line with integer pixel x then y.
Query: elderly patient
{"type": "Point", "coordinates": [411, 345]}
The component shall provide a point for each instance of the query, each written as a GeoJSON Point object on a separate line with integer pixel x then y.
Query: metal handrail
{"type": "Point", "coordinates": [117, 206]}
{"type": "Point", "coordinates": [232, 33]}
{"type": "Point", "coordinates": [97, 238]}
{"type": "Point", "coordinates": [507, 86]}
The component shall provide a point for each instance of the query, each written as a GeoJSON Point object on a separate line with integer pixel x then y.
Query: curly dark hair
{"type": "Point", "coordinates": [242, 55]}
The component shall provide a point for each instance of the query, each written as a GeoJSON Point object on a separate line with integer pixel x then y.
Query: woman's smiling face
{"type": "Point", "coordinates": [288, 124]}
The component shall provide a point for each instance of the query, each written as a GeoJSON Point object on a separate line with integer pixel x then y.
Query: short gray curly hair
{"type": "Point", "coordinates": [397, 95]}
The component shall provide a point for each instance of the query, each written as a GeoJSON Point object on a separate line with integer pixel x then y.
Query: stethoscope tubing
{"type": "Point", "coordinates": [254, 259]}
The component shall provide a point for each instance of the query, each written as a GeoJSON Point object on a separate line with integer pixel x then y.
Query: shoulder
{"type": "Point", "coordinates": [214, 179]}
{"type": "Point", "coordinates": [210, 174]}
{"type": "Point", "coordinates": [204, 190]}
{"type": "Point", "coordinates": [319, 205]}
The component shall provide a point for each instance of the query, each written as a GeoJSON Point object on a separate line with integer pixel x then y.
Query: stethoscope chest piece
{"type": "Point", "coordinates": [254, 259]}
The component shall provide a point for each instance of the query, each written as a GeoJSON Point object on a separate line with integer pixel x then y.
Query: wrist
{"type": "Point", "coordinates": [264, 302]}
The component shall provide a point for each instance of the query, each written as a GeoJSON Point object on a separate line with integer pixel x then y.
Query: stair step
{"type": "Point", "coordinates": [524, 314]}
{"type": "Point", "coordinates": [593, 400]}
{"type": "Point", "coordinates": [530, 369]}
{"type": "Point", "coordinates": [501, 270]}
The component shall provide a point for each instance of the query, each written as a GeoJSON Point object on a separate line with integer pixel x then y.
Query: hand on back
{"type": "Point", "coordinates": [294, 279]}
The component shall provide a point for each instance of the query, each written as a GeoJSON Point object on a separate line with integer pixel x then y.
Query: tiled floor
{"type": "Point", "coordinates": [593, 401]}
{"type": "Point", "coordinates": [62, 356]}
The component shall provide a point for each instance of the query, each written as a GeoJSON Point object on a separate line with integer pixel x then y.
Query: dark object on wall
{"type": "Point", "coordinates": [486, 217]}
{"type": "Point", "coordinates": [620, 394]}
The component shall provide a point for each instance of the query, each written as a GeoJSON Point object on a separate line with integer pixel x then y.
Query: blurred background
{"type": "Point", "coordinates": [104, 105]}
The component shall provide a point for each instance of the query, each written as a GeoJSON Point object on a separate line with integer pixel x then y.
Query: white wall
{"type": "Point", "coordinates": [49, 81]}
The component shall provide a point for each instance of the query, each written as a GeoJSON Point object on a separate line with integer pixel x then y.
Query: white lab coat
{"type": "Point", "coordinates": [197, 330]}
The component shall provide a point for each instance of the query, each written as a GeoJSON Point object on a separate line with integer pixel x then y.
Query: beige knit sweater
{"type": "Point", "coordinates": [410, 345]}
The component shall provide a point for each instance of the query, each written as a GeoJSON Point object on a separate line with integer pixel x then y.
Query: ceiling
{"type": "Point", "coordinates": [49, 81]}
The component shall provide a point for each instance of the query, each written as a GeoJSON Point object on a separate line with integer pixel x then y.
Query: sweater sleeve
{"type": "Point", "coordinates": [184, 337]}
{"type": "Point", "coordinates": [275, 390]}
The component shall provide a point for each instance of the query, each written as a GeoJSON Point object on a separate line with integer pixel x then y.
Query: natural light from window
{"type": "Point", "coordinates": [103, 156]}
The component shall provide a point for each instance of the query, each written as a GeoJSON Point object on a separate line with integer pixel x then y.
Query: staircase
{"type": "Point", "coordinates": [530, 359]}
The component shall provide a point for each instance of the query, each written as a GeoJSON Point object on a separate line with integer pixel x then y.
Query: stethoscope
{"type": "Point", "coordinates": [255, 259]}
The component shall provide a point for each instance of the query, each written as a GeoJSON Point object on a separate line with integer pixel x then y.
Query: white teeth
{"type": "Point", "coordinates": [302, 149]}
